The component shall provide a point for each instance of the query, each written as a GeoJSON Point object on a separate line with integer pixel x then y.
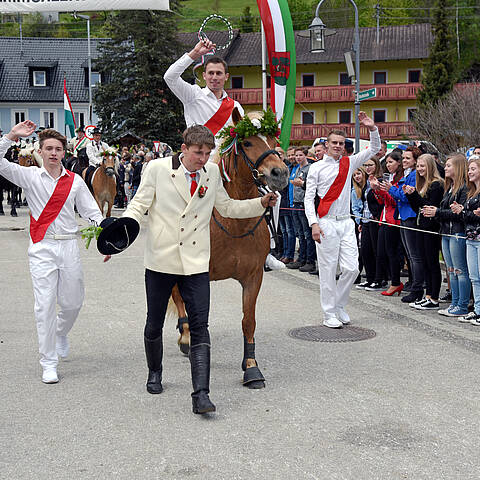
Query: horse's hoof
{"type": "Point", "coordinates": [184, 348]}
{"type": "Point", "coordinates": [253, 378]}
{"type": "Point", "coordinates": [255, 385]}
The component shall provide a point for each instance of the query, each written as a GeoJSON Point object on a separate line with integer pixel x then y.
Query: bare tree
{"type": "Point", "coordinates": [454, 122]}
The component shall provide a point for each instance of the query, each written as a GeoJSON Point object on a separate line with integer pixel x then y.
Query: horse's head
{"type": "Point", "coordinates": [254, 138]}
{"type": "Point", "coordinates": [26, 158]}
{"type": "Point", "coordinates": [108, 162]}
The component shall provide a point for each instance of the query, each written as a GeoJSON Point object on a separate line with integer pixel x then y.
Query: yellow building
{"type": "Point", "coordinates": [324, 95]}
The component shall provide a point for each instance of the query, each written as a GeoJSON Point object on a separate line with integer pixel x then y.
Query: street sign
{"type": "Point", "coordinates": [366, 94]}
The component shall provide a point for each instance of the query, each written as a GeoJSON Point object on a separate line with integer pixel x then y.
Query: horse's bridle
{"type": "Point", "coordinates": [254, 166]}
{"type": "Point", "coordinates": [257, 180]}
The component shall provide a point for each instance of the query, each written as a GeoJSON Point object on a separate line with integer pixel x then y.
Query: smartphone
{"type": "Point", "coordinates": [386, 177]}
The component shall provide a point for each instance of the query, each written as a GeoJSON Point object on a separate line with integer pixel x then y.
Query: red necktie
{"type": "Point", "coordinates": [193, 185]}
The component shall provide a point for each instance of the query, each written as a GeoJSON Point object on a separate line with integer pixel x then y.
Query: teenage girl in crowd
{"type": "Point", "coordinates": [452, 226]}
{"type": "Point", "coordinates": [429, 190]}
{"type": "Point", "coordinates": [388, 246]}
{"type": "Point", "coordinates": [471, 213]}
{"type": "Point", "coordinates": [408, 218]}
{"type": "Point", "coordinates": [285, 220]}
{"type": "Point", "coordinates": [359, 178]}
{"type": "Point", "coordinates": [368, 241]}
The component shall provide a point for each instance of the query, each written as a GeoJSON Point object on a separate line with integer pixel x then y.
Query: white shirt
{"type": "Point", "coordinates": [38, 186]}
{"type": "Point", "coordinates": [199, 104]}
{"type": "Point", "coordinates": [188, 173]}
{"type": "Point", "coordinates": [322, 174]}
{"type": "Point", "coordinates": [94, 152]}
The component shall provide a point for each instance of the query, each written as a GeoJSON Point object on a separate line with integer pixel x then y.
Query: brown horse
{"type": "Point", "coordinates": [104, 183]}
{"type": "Point", "coordinates": [246, 240]}
{"type": "Point", "coordinates": [26, 158]}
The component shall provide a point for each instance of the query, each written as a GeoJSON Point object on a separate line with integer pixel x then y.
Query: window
{"type": "Point", "coordinates": [237, 82]}
{"type": "Point", "coordinates": [344, 79]}
{"type": "Point", "coordinates": [19, 116]}
{"type": "Point", "coordinates": [379, 116]}
{"type": "Point", "coordinates": [96, 78]}
{"type": "Point", "coordinates": [48, 119]}
{"type": "Point", "coordinates": [308, 118]}
{"type": "Point", "coordinates": [379, 78]}
{"type": "Point", "coordinates": [411, 112]}
{"type": "Point", "coordinates": [308, 79]}
{"type": "Point", "coordinates": [414, 76]}
{"type": "Point", "coordinates": [39, 78]}
{"type": "Point", "coordinates": [344, 116]}
{"type": "Point", "coordinates": [269, 81]}
{"type": "Point", "coordinates": [80, 118]}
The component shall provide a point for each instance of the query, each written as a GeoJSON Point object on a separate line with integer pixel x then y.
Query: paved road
{"type": "Point", "coordinates": [403, 405]}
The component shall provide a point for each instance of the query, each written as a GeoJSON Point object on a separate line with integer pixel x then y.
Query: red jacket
{"type": "Point", "coordinates": [389, 206]}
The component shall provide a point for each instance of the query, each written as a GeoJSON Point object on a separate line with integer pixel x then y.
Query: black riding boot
{"type": "Point", "coordinates": [154, 354]}
{"type": "Point", "coordinates": [200, 363]}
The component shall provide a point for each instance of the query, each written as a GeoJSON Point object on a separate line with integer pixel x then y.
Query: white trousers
{"type": "Point", "coordinates": [57, 278]}
{"type": "Point", "coordinates": [339, 246]}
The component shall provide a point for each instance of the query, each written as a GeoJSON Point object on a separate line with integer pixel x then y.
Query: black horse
{"type": "Point", "coordinates": [14, 193]}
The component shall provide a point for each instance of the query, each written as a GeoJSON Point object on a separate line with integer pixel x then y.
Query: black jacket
{"type": "Point", "coordinates": [451, 223]}
{"type": "Point", "coordinates": [433, 197]}
{"type": "Point", "coordinates": [472, 221]}
{"type": "Point", "coordinates": [136, 174]}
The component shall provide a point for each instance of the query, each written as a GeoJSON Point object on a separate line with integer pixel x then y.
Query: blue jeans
{"type": "Point", "coordinates": [307, 250]}
{"type": "Point", "coordinates": [473, 261]}
{"type": "Point", "coordinates": [288, 234]}
{"type": "Point", "coordinates": [455, 255]}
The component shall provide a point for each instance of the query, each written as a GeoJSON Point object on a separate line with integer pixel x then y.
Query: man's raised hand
{"type": "Point", "coordinates": [202, 48]}
{"type": "Point", "coordinates": [22, 129]}
{"type": "Point", "coordinates": [366, 121]}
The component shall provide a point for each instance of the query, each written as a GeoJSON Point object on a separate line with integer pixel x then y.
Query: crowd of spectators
{"type": "Point", "coordinates": [412, 213]}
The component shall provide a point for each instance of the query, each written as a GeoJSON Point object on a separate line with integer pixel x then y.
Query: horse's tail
{"type": "Point", "coordinates": [172, 311]}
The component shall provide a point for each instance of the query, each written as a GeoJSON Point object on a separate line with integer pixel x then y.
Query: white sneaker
{"type": "Point", "coordinates": [63, 346]}
{"type": "Point", "coordinates": [343, 316]}
{"type": "Point", "coordinates": [273, 263]}
{"type": "Point", "coordinates": [468, 318]}
{"type": "Point", "coordinates": [332, 322]}
{"type": "Point", "coordinates": [50, 375]}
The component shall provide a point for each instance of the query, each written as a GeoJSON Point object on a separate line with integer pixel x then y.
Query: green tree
{"type": "Point", "coordinates": [440, 70]}
{"type": "Point", "coordinates": [135, 97]}
{"type": "Point", "coordinates": [246, 23]}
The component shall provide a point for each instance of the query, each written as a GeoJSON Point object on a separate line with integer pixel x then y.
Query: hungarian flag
{"type": "Point", "coordinates": [279, 36]}
{"type": "Point", "coordinates": [67, 106]}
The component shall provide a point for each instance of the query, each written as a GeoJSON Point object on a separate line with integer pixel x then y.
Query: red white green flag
{"type": "Point", "coordinates": [67, 106]}
{"type": "Point", "coordinates": [277, 23]}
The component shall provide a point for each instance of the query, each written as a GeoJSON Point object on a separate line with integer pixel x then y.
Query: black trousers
{"type": "Point", "coordinates": [369, 249]}
{"type": "Point", "coordinates": [195, 291]}
{"type": "Point", "coordinates": [388, 257]}
{"type": "Point", "coordinates": [429, 249]}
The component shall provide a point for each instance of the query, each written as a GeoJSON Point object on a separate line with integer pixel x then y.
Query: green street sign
{"type": "Point", "coordinates": [366, 94]}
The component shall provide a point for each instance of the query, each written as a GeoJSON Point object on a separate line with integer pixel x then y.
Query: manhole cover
{"type": "Point", "coordinates": [319, 333]}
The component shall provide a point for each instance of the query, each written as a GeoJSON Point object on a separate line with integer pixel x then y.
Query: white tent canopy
{"type": "Point", "coordinates": [33, 6]}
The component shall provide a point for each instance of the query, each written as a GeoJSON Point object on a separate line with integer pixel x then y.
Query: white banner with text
{"type": "Point", "coordinates": [33, 6]}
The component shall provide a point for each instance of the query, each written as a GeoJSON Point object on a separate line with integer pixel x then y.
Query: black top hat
{"type": "Point", "coordinates": [80, 128]}
{"type": "Point", "coordinates": [96, 130]}
{"type": "Point", "coordinates": [117, 235]}
{"type": "Point", "coordinates": [40, 129]}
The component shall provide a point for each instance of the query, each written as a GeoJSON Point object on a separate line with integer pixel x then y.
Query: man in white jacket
{"type": "Point", "coordinates": [180, 193]}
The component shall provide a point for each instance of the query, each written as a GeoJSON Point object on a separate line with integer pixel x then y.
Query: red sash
{"type": "Point", "coordinates": [335, 189]}
{"type": "Point", "coordinates": [221, 116]}
{"type": "Point", "coordinates": [52, 208]}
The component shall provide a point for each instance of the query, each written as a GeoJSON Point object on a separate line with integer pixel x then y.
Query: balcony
{"type": "Point", "coordinates": [337, 93]}
{"type": "Point", "coordinates": [387, 130]}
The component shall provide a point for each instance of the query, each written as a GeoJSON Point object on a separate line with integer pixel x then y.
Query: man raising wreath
{"type": "Point", "coordinates": [332, 227]}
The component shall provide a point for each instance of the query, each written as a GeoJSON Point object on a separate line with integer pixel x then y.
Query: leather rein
{"type": "Point", "coordinates": [257, 176]}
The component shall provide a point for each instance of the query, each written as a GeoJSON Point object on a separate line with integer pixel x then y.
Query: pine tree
{"type": "Point", "coordinates": [246, 23]}
{"type": "Point", "coordinates": [134, 97]}
{"type": "Point", "coordinates": [440, 71]}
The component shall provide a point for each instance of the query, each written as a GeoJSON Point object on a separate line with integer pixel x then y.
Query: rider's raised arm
{"type": "Point", "coordinates": [183, 90]}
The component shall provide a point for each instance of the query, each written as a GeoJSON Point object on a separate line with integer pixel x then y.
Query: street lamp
{"type": "Point", "coordinates": [87, 18]}
{"type": "Point", "coordinates": [317, 45]}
